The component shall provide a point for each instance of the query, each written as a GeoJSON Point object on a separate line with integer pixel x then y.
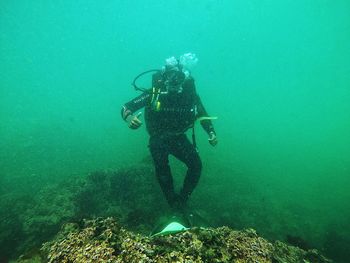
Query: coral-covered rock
{"type": "Point", "coordinates": [104, 240]}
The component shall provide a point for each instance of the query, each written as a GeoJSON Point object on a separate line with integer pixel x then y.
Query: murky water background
{"type": "Point", "coordinates": [276, 73]}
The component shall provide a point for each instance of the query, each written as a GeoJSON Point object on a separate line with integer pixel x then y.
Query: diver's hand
{"type": "Point", "coordinates": [134, 121]}
{"type": "Point", "coordinates": [212, 139]}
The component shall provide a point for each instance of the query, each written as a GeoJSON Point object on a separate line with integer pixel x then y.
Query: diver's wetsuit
{"type": "Point", "coordinates": [166, 125]}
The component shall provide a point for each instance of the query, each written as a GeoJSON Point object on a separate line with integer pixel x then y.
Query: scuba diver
{"type": "Point", "coordinates": [172, 106]}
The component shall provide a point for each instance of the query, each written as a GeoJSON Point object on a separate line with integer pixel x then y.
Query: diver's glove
{"type": "Point", "coordinates": [212, 139]}
{"type": "Point", "coordinates": [134, 121]}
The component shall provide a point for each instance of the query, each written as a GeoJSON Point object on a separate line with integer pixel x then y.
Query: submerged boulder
{"type": "Point", "coordinates": [104, 240]}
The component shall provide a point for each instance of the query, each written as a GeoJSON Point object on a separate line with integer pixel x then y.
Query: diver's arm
{"type": "Point", "coordinates": [206, 123]}
{"type": "Point", "coordinates": [131, 107]}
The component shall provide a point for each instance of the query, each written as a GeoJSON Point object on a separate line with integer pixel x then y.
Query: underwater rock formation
{"type": "Point", "coordinates": [104, 240]}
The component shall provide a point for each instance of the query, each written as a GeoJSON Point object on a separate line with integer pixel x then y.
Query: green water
{"type": "Point", "coordinates": [277, 73]}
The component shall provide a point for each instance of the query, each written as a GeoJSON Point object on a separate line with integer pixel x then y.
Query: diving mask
{"type": "Point", "coordinates": [173, 79]}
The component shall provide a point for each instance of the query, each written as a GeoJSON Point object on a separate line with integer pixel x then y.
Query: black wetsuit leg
{"type": "Point", "coordinates": [184, 150]}
{"type": "Point", "coordinates": [160, 151]}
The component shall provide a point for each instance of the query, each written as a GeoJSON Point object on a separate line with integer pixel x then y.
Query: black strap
{"type": "Point", "coordinates": [194, 143]}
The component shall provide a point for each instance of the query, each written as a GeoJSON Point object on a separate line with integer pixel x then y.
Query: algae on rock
{"type": "Point", "coordinates": [106, 241]}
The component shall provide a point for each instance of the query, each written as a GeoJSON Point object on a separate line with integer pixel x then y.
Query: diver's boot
{"type": "Point", "coordinates": [182, 211]}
